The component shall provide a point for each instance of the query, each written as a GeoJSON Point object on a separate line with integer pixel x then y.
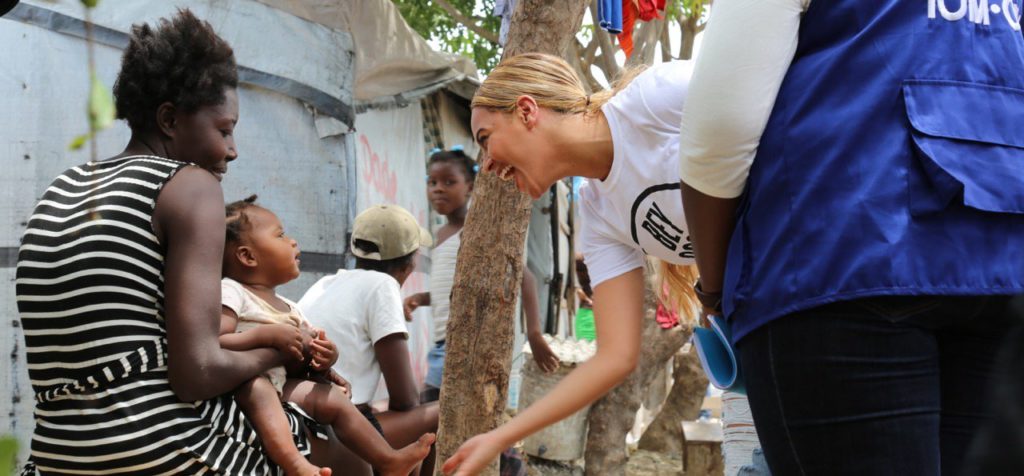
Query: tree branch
{"type": "Point", "coordinates": [645, 40]}
{"type": "Point", "coordinates": [467, 21]}
{"type": "Point", "coordinates": [681, 20]}
{"type": "Point", "coordinates": [586, 63]}
{"type": "Point", "coordinates": [666, 43]}
{"type": "Point", "coordinates": [608, 65]}
{"type": "Point", "coordinates": [589, 52]}
{"type": "Point", "coordinates": [573, 56]}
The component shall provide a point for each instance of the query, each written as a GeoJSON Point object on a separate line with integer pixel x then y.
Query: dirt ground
{"type": "Point", "coordinates": [642, 463]}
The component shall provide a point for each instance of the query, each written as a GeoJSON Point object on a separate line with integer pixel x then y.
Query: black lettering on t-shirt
{"type": "Point", "coordinates": [687, 249]}
{"type": "Point", "coordinates": [661, 228]}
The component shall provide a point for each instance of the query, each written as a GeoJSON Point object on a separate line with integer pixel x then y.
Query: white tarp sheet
{"type": "Point", "coordinates": [391, 58]}
{"type": "Point", "coordinates": [390, 169]}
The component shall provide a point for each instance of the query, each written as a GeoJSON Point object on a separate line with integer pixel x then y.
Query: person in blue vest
{"type": "Point", "coordinates": [853, 179]}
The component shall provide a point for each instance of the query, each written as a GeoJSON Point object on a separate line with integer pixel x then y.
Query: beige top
{"type": "Point", "coordinates": [253, 311]}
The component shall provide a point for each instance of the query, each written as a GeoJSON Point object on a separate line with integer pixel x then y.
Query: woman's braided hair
{"type": "Point", "coordinates": [237, 220]}
{"type": "Point", "coordinates": [458, 157]}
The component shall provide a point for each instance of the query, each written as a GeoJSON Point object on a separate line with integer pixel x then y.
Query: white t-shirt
{"type": "Point", "coordinates": [356, 308]}
{"type": "Point", "coordinates": [747, 48]}
{"type": "Point", "coordinates": [253, 311]}
{"type": "Point", "coordinates": [638, 209]}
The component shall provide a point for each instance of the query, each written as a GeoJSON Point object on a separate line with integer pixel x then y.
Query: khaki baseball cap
{"type": "Point", "coordinates": [393, 229]}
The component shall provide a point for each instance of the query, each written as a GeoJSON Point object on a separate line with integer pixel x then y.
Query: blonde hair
{"type": "Point", "coordinates": [673, 284]}
{"type": "Point", "coordinates": [549, 80]}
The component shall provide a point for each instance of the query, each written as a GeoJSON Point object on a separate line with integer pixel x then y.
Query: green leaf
{"type": "Point", "coordinates": [79, 142]}
{"type": "Point", "coordinates": [8, 451]}
{"type": "Point", "coordinates": [433, 23]}
{"type": "Point", "coordinates": [101, 105]}
{"type": "Point", "coordinates": [90, 3]}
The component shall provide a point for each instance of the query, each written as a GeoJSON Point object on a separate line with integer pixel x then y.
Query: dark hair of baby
{"type": "Point", "coordinates": [387, 266]}
{"type": "Point", "coordinates": [238, 222]}
{"type": "Point", "coordinates": [182, 62]}
{"type": "Point", "coordinates": [457, 157]}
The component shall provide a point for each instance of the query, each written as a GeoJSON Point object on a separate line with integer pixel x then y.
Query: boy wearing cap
{"type": "Point", "coordinates": [361, 311]}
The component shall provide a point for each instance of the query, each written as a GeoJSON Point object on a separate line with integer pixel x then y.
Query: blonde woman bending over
{"type": "Point", "coordinates": [536, 125]}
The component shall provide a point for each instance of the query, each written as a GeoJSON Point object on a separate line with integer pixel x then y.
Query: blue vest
{"type": "Point", "coordinates": [892, 164]}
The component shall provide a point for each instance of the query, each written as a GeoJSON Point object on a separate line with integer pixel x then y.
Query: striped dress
{"type": "Point", "coordinates": [90, 296]}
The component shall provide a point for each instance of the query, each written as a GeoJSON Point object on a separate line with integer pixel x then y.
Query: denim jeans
{"type": "Point", "coordinates": [435, 364]}
{"type": "Point", "coordinates": [875, 386]}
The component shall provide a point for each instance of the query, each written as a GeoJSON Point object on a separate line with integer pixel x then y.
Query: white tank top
{"type": "Point", "coordinates": [442, 274]}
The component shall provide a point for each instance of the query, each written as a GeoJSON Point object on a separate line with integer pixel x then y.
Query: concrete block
{"type": "Point", "coordinates": [702, 448]}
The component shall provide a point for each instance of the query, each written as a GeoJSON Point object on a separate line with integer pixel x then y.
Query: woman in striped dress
{"type": "Point", "coordinates": [118, 284]}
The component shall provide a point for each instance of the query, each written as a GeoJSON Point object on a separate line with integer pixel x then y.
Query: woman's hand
{"type": "Point", "coordinates": [324, 352]}
{"type": "Point", "coordinates": [330, 376]}
{"type": "Point", "coordinates": [542, 353]}
{"type": "Point", "coordinates": [337, 379]}
{"type": "Point", "coordinates": [474, 455]}
{"type": "Point", "coordinates": [286, 339]}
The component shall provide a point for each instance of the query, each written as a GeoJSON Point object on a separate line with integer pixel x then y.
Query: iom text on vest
{"type": "Point", "coordinates": [977, 11]}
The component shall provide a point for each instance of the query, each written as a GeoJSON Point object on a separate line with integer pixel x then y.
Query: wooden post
{"type": "Point", "coordinates": [489, 268]}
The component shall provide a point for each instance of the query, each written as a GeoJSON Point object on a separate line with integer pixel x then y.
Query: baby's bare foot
{"type": "Point", "coordinates": [406, 459]}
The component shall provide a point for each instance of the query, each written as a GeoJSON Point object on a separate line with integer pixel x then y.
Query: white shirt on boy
{"type": "Point", "coordinates": [356, 308]}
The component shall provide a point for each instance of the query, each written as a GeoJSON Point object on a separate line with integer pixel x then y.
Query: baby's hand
{"type": "Point", "coordinates": [324, 352]}
{"type": "Point", "coordinates": [285, 338]}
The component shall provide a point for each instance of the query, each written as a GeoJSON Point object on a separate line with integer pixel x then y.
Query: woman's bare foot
{"type": "Point", "coordinates": [406, 459]}
{"type": "Point", "coordinates": [302, 467]}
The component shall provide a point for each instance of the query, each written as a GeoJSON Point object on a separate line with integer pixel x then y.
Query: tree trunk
{"type": "Point", "coordinates": [612, 416]}
{"type": "Point", "coordinates": [684, 400]}
{"type": "Point", "coordinates": [489, 267]}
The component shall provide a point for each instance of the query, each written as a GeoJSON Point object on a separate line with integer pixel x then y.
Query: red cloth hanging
{"type": "Point", "coordinates": [632, 10]}
{"type": "Point", "coordinates": [667, 319]}
{"type": "Point", "coordinates": [650, 9]}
